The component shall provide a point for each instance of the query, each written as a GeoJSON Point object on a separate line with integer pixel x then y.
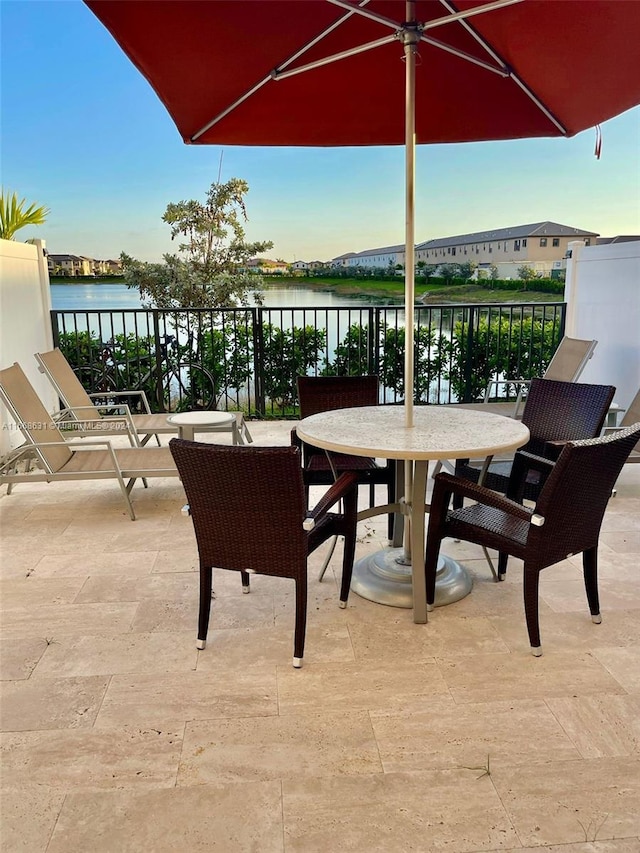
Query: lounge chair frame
{"type": "Point", "coordinates": [80, 405]}
{"type": "Point", "coordinates": [67, 460]}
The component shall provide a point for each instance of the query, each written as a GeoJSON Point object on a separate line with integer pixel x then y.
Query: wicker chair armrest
{"type": "Point", "coordinates": [523, 462]}
{"type": "Point", "coordinates": [342, 486]}
{"type": "Point", "coordinates": [554, 448]}
{"type": "Point", "coordinates": [540, 463]}
{"type": "Point", "coordinates": [467, 489]}
{"type": "Point", "coordinates": [296, 441]}
{"type": "Point", "coordinates": [135, 391]}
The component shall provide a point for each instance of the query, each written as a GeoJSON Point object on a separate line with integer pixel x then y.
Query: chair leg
{"type": "Point", "coordinates": [590, 572]}
{"type": "Point", "coordinates": [350, 504]}
{"type": "Point", "coordinates": [502, 566]}
{"type": "Point", "coordinates": [301, 619]}
{"type": "Point", "coordinates": [246, 585]}
{"type": "Point", "coordinates": [531, 583]}
{"type": "Point", "coordinates": [347, 569]}
{"type": "Point", "coordinates": [206, 583]}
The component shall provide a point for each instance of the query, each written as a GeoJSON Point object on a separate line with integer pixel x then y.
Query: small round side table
{"type": "Point", "coordinates": [189, 423]}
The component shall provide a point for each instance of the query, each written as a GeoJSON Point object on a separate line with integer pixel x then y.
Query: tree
{"type": "Point", "coordinates": [466, 269]}
{"type": "Point", "coordinates": [526, 273]}
{"type": "Point", "coordinates": [14, 215]}
{"type": "Point", "coordinates": [210, 269]}
{"type": "Point", "coordinates": [449, 272]}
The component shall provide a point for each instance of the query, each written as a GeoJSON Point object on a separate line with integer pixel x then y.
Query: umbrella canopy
{"type": "Point", "coordinates": [577, 58]}
{"type": "Point", "coordinates": [382, 72]}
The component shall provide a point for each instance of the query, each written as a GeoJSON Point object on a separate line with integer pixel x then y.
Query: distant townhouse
{"type": "Point", "coordinates": [342, 260]}
{"type": "Point", "coordinates": [303, 266]}
{"type": "Point", "coordinates": [108, 267]}
{"type": "Point", "coordinates": [541, 246]}
{"type": "Point", "coordinates": [71, 266]}
{"type": "Point", "coordinates": [388, 256]}
{"type": "Point", "coordinates": [267, 266]}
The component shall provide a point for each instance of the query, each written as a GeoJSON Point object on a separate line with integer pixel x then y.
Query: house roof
{"type": "Point", "coordinates": [536, 229]}
{"type": "Point", "coordinates": [65, 257]}
{"type": "Point", "coordinates": [620, 238]}
{"type": "Point", "coordinates": [385, 250]}
{"type": "Point", "coordinates": [345, 256]}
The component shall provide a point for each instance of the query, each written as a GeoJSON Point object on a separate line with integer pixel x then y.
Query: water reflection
{"type": "Point", "coordinates": [114, 297]}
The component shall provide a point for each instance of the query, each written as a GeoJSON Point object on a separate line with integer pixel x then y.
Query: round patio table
{"type": "Point", "coordinates": [396, 576]}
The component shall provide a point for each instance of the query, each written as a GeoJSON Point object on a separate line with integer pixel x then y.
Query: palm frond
{"type": "Point", "coordinates": [14, 214]}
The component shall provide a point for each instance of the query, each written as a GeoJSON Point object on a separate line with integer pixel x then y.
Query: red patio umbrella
{"type": "Point", "coordinates": [382, 72]}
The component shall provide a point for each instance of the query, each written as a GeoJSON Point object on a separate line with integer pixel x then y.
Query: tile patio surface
{"type": "Point", "coordinates": [119, 736]}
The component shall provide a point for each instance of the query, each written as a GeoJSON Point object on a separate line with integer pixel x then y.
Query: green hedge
{"type": "Point", "coordinates": [539, 285]}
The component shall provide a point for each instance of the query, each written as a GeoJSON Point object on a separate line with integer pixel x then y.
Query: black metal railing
{"type": "Point", "coordinates": [247, 358]}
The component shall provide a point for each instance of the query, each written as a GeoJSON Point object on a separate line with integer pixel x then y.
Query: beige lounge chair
{"type": "Point", "coordinates": [80, 407]}
{"type": "Point", "coordinates": [58, 459]}
{"type": "Point", "coordinates": [631, 416]}
{"type": "Point", "coordinates": [568, 362]}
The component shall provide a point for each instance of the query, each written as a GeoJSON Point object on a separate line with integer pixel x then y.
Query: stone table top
{"type": "Point", "coordinates": [439, 432]}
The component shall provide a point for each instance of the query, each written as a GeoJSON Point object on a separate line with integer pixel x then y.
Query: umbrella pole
{"type": "Point", "coordinates": [411, 37]}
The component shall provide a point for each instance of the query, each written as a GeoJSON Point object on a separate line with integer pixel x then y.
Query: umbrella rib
{"type": "Point", "coordinates": [502, 70]}
{"type": "Point", "coordinates": [436, 22]}
{"type": "Point", "coordinates": [272, 75]}
{"type": "Point", "coordinates": [510, 72]}
{"type": "Point", "coordinates": [335, 57]}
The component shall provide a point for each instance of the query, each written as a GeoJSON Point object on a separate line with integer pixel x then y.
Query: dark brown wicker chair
{"type": "Point", "coordinates": [250, 515]}
{"type": "Point", "coordinates": [566, 519]}
{"type": "Point", "coordinates": [555, 412]}
{"type": "Point", "coordinates": [323, 394]}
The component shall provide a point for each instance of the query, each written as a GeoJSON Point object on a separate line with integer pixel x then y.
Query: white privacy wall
{"type": "Point", "coordinates": [603, 302]}
{"type": "Point", "coordinates": [25, 325]}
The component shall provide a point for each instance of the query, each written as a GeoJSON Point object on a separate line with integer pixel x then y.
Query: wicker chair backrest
{"type": "Point", "coordinates": [325, 393]}
{"type": "Point", "coordinates": [574, 498]}
{"type": "Point", "coordinates": [565, 411]}
{"type": "Point", "coordinates": [247, 505]}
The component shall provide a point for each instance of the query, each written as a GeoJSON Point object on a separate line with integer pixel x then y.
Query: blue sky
{"type": "Point", "coordinates": [83, 133]}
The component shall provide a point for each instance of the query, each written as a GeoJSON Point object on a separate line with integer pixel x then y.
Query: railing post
{"type": "Point", "coordinates": [258, 360]}
{"type": "Point", "coordinates": [468, 361]}
{"type": "Point", "coordinates": [157, 366]}
{"type": "Point", "coordinates": [375, 342]}
{"type": "Point", "coordinates": [55, 330]}
{"type": "Point", "coordinates": [371, 337]}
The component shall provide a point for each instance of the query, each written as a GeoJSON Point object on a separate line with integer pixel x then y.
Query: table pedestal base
{"type": "Point", "coordinates": [383, 577]}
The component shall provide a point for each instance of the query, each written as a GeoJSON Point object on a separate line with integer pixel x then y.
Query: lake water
{"type": "Point", "coordinates": [114, 297]}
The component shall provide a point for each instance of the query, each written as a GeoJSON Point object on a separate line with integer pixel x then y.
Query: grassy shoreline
{"type": "Point", "coordinates": [436, 294]}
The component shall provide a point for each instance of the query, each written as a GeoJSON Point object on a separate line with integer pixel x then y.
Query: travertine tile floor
{"type": "Point", "coordinates": [119, 736]}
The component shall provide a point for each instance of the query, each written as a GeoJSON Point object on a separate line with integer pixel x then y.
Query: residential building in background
{"type": "Point", "coordinates": [71, 266]}
{"type": "Point", "coordinates": [541, 246]}
{"type": "Point", "coordinates": [388, 256]}
{"type": "Point", "coordinates": [267, 267]}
